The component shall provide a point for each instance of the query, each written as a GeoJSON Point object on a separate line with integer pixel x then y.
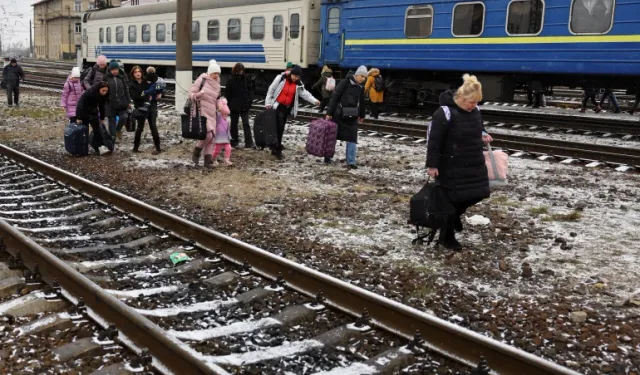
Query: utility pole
{"type": "Point", "coordinates": [184, 52]}
{"type": "Point", "coordinates": [30, 40]}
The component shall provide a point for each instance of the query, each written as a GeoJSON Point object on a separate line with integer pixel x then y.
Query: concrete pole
{"type": "Point", "coordinates": [30, 41]}
{"type": "Point", "coordinates": [184, 52]}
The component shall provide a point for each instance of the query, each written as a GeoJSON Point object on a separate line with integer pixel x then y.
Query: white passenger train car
{"type": "Point", "coordinates": [261, 34]}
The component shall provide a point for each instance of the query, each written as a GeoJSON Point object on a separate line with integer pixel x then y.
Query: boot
{"type": "Point", "coordinates": [227, 162]}
{"type": "Point", "coordinates": [208, 161]}
{"type": "Point", "coordinates": [597, 109]}
{"type": "Point", "coordinates": [196, 155]}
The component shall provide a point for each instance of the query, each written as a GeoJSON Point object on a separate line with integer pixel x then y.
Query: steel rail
{"type": "Point", "coordinates": [138, 328]}
{"type": "Point", "coordinates": [441, 336]}
{"type": "Point", "coordinates": [554, 147]}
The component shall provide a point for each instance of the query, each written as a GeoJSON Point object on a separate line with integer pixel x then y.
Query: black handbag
{"type": "Point", "coordinates": [194, 126]}
{"type": "Point", "coordinates": [189, 103]}
{"type": "Point", "coordinates": [350, 112]}
{"type": "Point", "coordinates": [130, 125]}
{"type": "Point", "coordinates": [430, 208]}
{"type": "Point", "coordinates": [3, 85]}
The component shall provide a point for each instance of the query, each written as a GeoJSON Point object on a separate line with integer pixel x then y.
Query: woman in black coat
{"type": "Point", "coordinates": [90, 111]}
{"type": "Point", "coordinates": [347, 110]}
{"type": "Point", "coordinates": [454, 154]}
{"type": "Point", "coordinates": [240, 97]}
{"type": "Point", "coordinates": [145, 100]}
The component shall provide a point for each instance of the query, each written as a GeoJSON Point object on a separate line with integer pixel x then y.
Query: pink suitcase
{"type": "Point", "coordinates": [322, 138]}
{"type": "Point", "coordinates": [498, 166]}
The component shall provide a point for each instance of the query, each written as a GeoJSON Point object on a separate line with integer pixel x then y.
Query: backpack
{"type": "Point", "coordinates": [429, 208]}
{"type": "Point", "coordinates": [331, 84]}
{"type": "Point", "coordinates": [379, 84]}
{"type": "Point", "coordinates": [85, 73]}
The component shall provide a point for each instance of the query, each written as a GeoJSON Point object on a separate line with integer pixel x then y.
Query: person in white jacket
{"type": "Point", "coordinates": [283, 97]}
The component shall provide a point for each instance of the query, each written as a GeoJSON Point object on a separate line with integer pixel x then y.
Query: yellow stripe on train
{"type": "Point", "coordinates": [506, 40]}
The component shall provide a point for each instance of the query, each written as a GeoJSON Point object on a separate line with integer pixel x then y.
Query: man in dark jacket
{"type": "Point", "coordinates": [455, 158]}
{"type": "Point", "coordinates": [119, 100]}
{"type": "Point", "coordinates": [347, 110]}
{"type": "Point", "coordinates": [12, 75]}
{"type": "Point", "coordinates": [240, 97]}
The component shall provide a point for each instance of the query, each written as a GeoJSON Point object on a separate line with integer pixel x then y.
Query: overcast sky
{"type": "Point", "coordinates": [14, 20]}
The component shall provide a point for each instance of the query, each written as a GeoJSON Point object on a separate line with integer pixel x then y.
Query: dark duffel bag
{"type": "Point", "coordinates": [76, 139]}
{"type": "Point", "coordinates": [265, 129]}
{"type": "Point", "coordinates": [130, 125]}
{"type": "Point", "coordinates": [429, 208]}
{"type": "Point", "coordinates": [194, 126]}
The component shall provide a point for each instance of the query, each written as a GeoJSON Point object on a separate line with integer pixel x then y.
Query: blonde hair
{"type": "Point", "coordinates": [471, 88]}
{"type": "Point", "coordinates": [151, 69]}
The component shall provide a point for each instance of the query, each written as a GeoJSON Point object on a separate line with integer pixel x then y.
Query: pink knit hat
{"type": "Point", "coordinates": [225, 108]}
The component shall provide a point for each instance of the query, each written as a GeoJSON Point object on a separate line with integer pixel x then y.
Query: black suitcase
{"type": "Point", "coordinates": [76, 139]}
{"type": "Point", "coordinates": [265, 129]}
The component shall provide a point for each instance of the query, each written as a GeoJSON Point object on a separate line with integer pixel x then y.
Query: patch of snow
{"type": "Point", "coordinates": [144, 292]}
{"type": "Point", "coordinates": [354, 369]}
{"type": "Point", "coordinates": [196, 307]}
{"type": "Point", "coordinates": [478, 220]}
{"type": "Point", "coordinates": [285, 350]}
{"type": "Point", "coordinates": [231, 329]}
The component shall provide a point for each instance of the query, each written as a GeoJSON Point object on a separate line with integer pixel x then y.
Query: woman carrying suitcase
{"type": "Point", "coordinates": [347, 110]}
{"type": "Point", "coordinates": [90, 111]}
{"type": "Point", "coordinates": [454, 154]}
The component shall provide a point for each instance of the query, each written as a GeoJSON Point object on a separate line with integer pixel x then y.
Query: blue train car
{"type": "Point", "coordinates": [503, 41]}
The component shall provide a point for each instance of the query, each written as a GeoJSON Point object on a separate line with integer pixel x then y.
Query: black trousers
{"type": "Point", "coordinates": [94, 124]}
{"type": "Point", "coordinates": [375, 109]}
{"type": "Point", "coordinates": [152, 116]}
{"type": "Point", "coordinates": [13, 94]}
{"type": "Point", "coordinates": [535, 99]}
{"type": "Point", "coordinates": [586, 98]}
{"type": "Point", "coordinates": [246, 128]}
{"type": "Point", "coordinates": [282, 113]}
{"type": "Point", "coordinates": [635, 103]}
{"type": "Point", "coordinates": [447, 232]}
{"type": "Point", "coordinates": [324, 103]}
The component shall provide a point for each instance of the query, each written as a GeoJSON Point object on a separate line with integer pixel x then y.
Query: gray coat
{"type": "Point", "coordinates": [276, 88]}
{"type": "Point", "coordinates": [96, 75]}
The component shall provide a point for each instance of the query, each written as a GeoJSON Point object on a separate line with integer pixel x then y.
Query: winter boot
{"type": "Point", "coordinates": [196, 155]}
{"type": "Point", "coordinates": [597, 109]}
{"type": "Point", "coordinates": [227, 162]}
{"type": "Point", "coordinates": [208, 161]}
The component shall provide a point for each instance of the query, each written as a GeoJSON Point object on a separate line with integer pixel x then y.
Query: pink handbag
{"type": "Point", "coordinates": [498, 166]}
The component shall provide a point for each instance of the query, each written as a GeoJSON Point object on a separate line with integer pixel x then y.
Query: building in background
{"type": "Point", "coordinates": [142, 2]}
{"type": "Point", "coordinates": [58, 27]}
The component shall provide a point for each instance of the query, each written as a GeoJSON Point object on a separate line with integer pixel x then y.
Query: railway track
{"type": "Point", "coordinates": [232, 307]}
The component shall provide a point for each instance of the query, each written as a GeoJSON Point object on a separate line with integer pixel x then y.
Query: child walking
{"type": "Point", "coordinates": [223, 136]}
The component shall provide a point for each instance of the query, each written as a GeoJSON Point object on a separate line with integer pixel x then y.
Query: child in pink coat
{"type": "Point", "coordinates": [223, 137]}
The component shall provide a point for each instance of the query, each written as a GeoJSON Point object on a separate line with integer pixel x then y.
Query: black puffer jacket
{"type": "Point", "coordinates": [136, 91]}
{"type": "Point", "coordinates": [90, 103]}
{"type": "Point", "coordinates": [455, 148]}
{"type": "Point", "coordinates": [238, 93]}
{"type": "Point", "coordinates": [12, 74]}
{"type": "Point", "coordinates": [119, 98]}
{"type": "Point", "coordinates": [348, 93]}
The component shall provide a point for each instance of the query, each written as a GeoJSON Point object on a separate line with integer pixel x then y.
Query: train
{"type": "Point", "coordinates": [421, 47]}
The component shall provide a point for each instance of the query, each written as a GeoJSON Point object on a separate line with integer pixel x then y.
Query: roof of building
{"type": "Point", "coordinates": [171, 7]}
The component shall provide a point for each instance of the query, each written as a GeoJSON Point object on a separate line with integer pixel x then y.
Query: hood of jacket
{"type": "Point", "coordinates": [326, 69]}
{"type": "Point", "coordinates": [78, 82]}
{"type": "Point", "coordinates": [446, 98]}
{"type": "Point", "coordinates": [352, 79]}
{"type": "Point", "coordinates": [374, 72]}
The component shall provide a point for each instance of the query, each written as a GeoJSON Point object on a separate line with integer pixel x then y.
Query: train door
{"type": "Point", "coordinates": [295, 37]}
{"type": "Point", "coordinates": [332, 35]}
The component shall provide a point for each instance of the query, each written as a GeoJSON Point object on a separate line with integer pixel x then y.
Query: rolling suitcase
{"type": "Point", "coordinates": [322, 138]}
{"type": "Point", "coordinates": [265, 129]}
{"type": "Point", "coordinates": [76, 139]}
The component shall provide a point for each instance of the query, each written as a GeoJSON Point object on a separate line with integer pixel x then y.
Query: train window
{"type": "Point", "coordinates": [294, 24]}
{"type": "Point", "coordinates": [133, 34]}
{"type": "Point", "coordinates": [108, 35]}
{"type": "Point", "coordinates": [468, 19]}
{"type": "Point", "coordinates": [525, 17]}
{"type": "Point", "coordinates": [277, 27]}
{"type": "Point", "coordinates": [161, 32]}
{"type": "Point", "coordinates": [333, 21]}
{"type": "Point", "coordinates": [418, 21]}
{"type": "Point", "coordinates": [195, 31]}
{"type": "Point", "coordinates": [213, 30]}
{"type": "Point", "coordinates": [101, 35]}
{"type": "Point", "coordinates": [234, 29]}
{"type": "Point", "coordinates": [146, 33]}
{"type": "Point", "coordinates": [591, 16]}
{"type": "Point", "coordinates": [256, 31]}
{"type": "Point", "coordinates": [173, 32]}
{"type": "Point", "coordinates": [120, 34]}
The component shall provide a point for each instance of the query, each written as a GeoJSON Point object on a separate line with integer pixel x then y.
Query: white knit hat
{"type": "Point", "coordinates": [362, 71]}
{"type": "Point", "coordinates": [75, 72]}
{"type": "Point", "coordinates": [213, 67]}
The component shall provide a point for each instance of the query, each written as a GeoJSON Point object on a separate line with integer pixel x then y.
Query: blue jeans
{"type": "Point", "coordinates": [351, 153]}
{"type": "Point", "coordinates": [612, 97]}
{"type": "Point", "coordinates": [117, 125]}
